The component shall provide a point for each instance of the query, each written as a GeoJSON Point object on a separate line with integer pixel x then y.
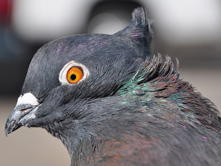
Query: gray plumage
{"type": "Point", "coordinates": [131, 109]}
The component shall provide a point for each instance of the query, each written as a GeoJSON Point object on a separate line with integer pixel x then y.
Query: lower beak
{"type": "Point", "coordinates": [19, 117]}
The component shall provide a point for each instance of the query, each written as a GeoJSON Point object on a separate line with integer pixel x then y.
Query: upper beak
{"type": "Point", "coordinates": [23, 112]}
{"type": "Point", "coordinates": [19, 117]}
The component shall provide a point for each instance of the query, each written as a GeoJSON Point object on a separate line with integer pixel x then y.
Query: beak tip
{"type": "Point", "coordinates": [11, 126]}
{"type": "Point", "coordinates": [8, 128]}
{"type": "Point", "coordinates": [6, 133]}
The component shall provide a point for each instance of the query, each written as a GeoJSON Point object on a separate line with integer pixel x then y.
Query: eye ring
{"type": "Point", "coordinates": [72, 73]}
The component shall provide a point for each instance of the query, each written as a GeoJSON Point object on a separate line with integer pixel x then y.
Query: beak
{"type": "Point", "coordinates": [23, 112]}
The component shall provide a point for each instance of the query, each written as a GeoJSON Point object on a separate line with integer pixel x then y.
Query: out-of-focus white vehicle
{"type": "Point", "coordinates": [176, 21]}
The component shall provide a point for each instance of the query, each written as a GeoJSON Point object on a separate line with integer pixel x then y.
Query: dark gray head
{"type": "Point", "coordinates": [101, 64]}
{"type": "Point", "coordinates": [106, 94]}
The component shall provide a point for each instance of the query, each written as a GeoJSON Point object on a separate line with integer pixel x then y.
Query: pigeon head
{"type": "Point", "coordinates": [68, 73]}
{"type": "Point", "coordinates": [111, 103]}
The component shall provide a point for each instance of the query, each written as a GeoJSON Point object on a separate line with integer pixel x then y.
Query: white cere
{"type": "Point", "coordinates": [27, 98]}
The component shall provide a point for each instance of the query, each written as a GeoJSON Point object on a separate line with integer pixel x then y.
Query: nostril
{"type": "Point", "coordinates": [23, 109]}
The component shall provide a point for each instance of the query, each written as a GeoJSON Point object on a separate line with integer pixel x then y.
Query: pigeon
{"type": "Point", "coordinates": [112, 103]}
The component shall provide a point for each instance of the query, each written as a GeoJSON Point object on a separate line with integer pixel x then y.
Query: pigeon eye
{"type": "Point", "coordinates": [74, 75]}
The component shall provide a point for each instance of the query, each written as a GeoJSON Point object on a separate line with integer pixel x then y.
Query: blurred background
{"type": "Point", "coordinates": [187, 30]}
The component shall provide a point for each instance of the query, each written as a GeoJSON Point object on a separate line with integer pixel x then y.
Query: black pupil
{"type": "Point", "coordinates": [73, 77]}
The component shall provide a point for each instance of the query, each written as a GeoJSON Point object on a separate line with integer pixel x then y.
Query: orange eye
{"type": "Point", "coordinates": [74, 75]}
